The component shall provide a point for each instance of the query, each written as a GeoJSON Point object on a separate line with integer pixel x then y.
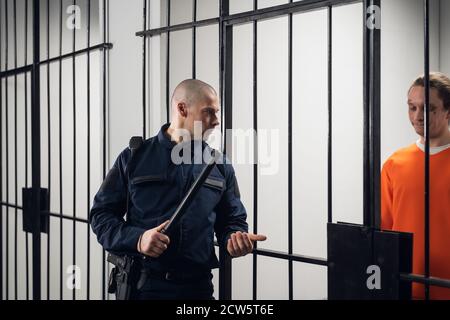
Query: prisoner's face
{"type": "Point", "coordinates": [439, 117]}
{"type": "Point", "coordinates": [204, 113]}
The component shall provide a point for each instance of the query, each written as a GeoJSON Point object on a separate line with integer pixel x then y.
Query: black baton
{"type": "Point", "coordinates": [187, 200]}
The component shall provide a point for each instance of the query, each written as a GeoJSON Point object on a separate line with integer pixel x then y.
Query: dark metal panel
{"type": "Point", "coordinates": [358, 254]}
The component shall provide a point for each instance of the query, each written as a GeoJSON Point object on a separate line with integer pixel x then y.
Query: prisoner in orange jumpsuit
{"type": "Point", "coordinates": [403, 184]}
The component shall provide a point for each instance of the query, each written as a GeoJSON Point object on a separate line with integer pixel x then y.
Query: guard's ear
{"type": "Point", "coordinates": [182, 109]}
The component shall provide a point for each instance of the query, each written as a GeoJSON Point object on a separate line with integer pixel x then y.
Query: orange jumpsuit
{"type": "Point", "coordinates": [402, 209]}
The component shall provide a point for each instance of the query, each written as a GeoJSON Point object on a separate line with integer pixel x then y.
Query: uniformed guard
{"type": "Point", "coordinates": [147, 182]}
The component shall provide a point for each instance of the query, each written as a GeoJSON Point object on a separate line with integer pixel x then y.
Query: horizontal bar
{"type": "Point", "coordinates": [248, 16]}
{"type": "Point", "coordinates": [178, 27]}
{"type": "Point", "coordinates": [426, 280]}
{"type": "Point", "coordinates": [291, 257]}
{"type": "Point", "coordinates": [28, 68]}
{"type": "Point", "coordinates": [78, 52]}
{"type": "Point", "coordinates": [57, 215]}
{"type": "Point", "coordinates": [284, 9]}
{"type": "Point", "coordinates": [51, 214]}
{"type": "Point", "coordinates": [286, 256]}
{"type": "Point", "coordinates": [12, 72]}
{"type": "Point", "coordinates": [10, 205]}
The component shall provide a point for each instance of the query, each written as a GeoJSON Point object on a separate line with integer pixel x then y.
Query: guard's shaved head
{"type": "Point", "coordinates": [192, 92]}
{"type": "Point", "coordinates": [193, 102]}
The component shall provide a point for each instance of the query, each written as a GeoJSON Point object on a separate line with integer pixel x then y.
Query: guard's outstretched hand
{"type": "Point", "coordinates": [241, 243]}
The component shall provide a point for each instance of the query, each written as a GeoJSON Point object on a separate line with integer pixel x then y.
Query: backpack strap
{"type": "Point", "coordinates": [135, 143]}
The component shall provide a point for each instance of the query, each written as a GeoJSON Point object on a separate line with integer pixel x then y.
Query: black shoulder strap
{"type": "Point", "coordinates": [134, 145]}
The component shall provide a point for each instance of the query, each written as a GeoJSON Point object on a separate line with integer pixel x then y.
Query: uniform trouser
{"type": "Point", "coordinates": [162, 289]}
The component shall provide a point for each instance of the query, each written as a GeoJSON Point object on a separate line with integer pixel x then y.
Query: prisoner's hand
{"type": "Point", "coordinates": [153, 243]}
{"type": "Point", "coordinates": [241, 243]}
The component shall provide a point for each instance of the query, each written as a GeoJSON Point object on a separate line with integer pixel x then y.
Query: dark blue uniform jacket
{"type": "Point", "coordinates": [156, 186]}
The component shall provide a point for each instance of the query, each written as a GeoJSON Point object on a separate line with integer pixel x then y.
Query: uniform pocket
{"type": "Point", "coordinates": [149, 195]}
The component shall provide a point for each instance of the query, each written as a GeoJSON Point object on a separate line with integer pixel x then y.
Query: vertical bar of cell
{"type": "Point", "coordinates": [60, 156]}
{"type": "Point", "coordinates": [226, 92]}
{"type": "Point", "coordinates": [7, 149]}
{"type": "Point", "coordinates": [36, 151]}
{"type": "Point", "coordinates": [375, 116]}
{"type": "Point", "coordinates": [290, 236]}
{"type": "Point", "coordinates": [371, 113]}
{"type": "Point", "coordinates": [88, 177]}
{"type": "Point", "coordinates": [26, 146]}
{"type": "Point", "coordinates": [194, 41]}
{"type": "Point", "coordinates": [366, 113]}
{"type": "Point", "coordinates": [144, 69]}
{"type": "Point", "coordinates": [48, 144]}
{"type": "Point", "coordinates": [223, 11]}
{"type": "Point", "coordinates": [104, 137]}
{"type": "Point", "coordinates": [168, 64]}
{"type": "Point", "coordinates": [1, 163]}
{"type": "Point", "coordinates": [330, 115]}
{"type": "Point", "coordinates": [74, 104]}
{"type": "Point", "coordinates": [15, 149]}
{"type": "Point", "coordinates": [427, 142]}
{"type": "Point", "coordinates": [255, 128]}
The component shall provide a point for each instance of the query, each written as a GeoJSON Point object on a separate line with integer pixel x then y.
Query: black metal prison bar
{"type": "Point", "coordinates": [37, 213]}
{"type": "Point", "coordinates": [1, 166]}
{"type": "Point", "coordinates": [426, 46]}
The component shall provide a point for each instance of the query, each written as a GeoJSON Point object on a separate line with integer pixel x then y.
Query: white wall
{"type": "Point", "coordinates": [444, 37]}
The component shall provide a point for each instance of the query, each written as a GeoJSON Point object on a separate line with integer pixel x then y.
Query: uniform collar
{"type": "Point", "coordinates": [164, 139]}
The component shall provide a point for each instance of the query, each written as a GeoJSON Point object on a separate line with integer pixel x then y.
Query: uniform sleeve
{"type": "Point", "coordinates": [108, 210]}
{"type": "Point", "coordinates": [386, 197]}
{"type": "Point", "coordinates": [231, 214]}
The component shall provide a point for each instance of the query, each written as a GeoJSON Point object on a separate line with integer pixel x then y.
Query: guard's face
{"type": "Point", "coordinates": [204, 114]}
{"type": "Point", "coordinates": [439, 117]}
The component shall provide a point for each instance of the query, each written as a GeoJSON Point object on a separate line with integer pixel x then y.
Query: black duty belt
{"type": "Point", "coordinates": [171, 275]}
